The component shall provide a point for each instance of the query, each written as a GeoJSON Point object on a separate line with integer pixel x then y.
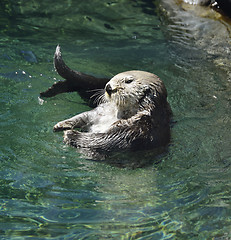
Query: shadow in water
{"type": "Point", "coordinates": [134, 159]}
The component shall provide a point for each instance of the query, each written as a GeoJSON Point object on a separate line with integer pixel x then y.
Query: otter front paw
{"type": "Point", "coordinates": [60, 126]}
{"type": "Point", "coordinates": [70, 137]}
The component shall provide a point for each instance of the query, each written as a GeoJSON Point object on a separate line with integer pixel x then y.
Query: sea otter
{"type": "Point", "coordinates": [132, 112]}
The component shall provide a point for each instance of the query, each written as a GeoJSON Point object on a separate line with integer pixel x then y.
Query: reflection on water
{"type": "Point", "coordinates": [47, 190]}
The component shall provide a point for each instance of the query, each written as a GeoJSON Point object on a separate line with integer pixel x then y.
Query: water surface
{"type": "Point", "coordinates": [47, 190]}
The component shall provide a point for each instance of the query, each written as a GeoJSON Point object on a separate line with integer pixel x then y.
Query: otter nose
{"type": "Point", "coordinates": [109, 89]}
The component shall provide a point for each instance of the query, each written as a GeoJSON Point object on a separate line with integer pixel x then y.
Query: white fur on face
{"type": "Point", "coordinates": [126, 92]}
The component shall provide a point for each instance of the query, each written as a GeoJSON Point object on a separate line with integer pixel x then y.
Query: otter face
{"type": "Point", "coordinates": [127, 89]}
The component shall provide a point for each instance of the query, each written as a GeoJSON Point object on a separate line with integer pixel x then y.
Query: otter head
{"type": "Point", "coordinates": [131, 90]}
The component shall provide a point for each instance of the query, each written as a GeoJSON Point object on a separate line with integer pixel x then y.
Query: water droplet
{"type": "Point", "coordinates": [40, 101]}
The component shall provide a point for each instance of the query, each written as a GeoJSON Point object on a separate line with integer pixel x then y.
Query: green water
{"type": "Point", "coordinates": [47, 190]}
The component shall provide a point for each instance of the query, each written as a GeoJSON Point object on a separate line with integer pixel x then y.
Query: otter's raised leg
{"type": "Point", "coordinates": [74, 80]}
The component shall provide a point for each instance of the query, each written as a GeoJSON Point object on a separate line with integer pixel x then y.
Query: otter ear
{"type": "Point", "coordinates": [150, 93]}
{"type": "Point", "coordinates": [148, 97]}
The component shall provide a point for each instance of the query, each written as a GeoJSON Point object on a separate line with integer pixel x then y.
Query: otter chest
{"type": "Point", "coordinates": [103, 120]}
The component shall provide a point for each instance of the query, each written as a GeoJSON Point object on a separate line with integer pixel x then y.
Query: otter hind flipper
{"type": "Point", "coordinates": [56, 88]}
{"type": "Point", "coordinates": [74, 80]}
{"type": "Point", "coordinates": [62, 69]}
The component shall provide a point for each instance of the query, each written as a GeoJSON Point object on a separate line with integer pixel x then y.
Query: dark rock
{"type": "Point", "coordinates": [224, 6]}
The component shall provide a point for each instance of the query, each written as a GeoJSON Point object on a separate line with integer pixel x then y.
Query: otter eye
{"type": "Point", "coordinates": [129, 80]}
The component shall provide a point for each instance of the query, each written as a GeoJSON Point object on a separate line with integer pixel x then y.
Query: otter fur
{"type": "Point", "coordinates": [132, 114]}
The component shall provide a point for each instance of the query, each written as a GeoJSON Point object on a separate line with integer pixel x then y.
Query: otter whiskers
{"type": "Point", "coordinates": [99, 96]}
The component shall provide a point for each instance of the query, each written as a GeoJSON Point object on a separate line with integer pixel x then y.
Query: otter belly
{"type": "Point", "coordinates": [104, 119]}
